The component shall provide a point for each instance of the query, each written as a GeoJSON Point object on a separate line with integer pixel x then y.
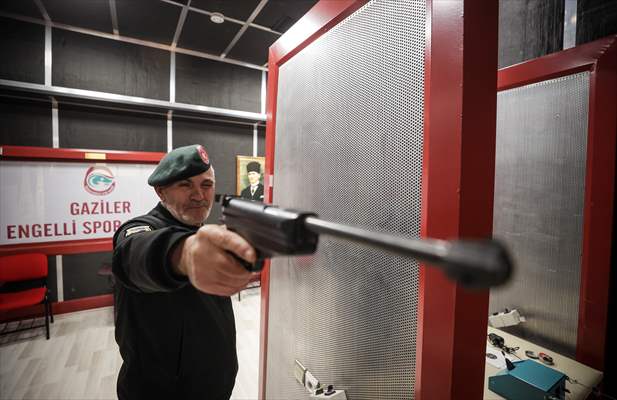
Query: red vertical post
{"type": "Point", "coordinates": [459, 165]}
{"type": "Point", "coordinates": [273, 72]}
{"type": "Point", "coordinates": [598, 211]}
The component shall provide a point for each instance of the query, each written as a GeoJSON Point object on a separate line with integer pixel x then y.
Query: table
{"type": "Point", "coordinates": [575, 370]}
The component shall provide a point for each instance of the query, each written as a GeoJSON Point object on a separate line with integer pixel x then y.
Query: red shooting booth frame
{"type": "Point", "coordinates": [26, 153]}
{"type": "Point", "coordinates": [600, 59]}
{"type": "Point", "coordinates": [457, 191]}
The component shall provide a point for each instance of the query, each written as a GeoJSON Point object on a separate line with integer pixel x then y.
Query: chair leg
{"type": "Point", "coordinates": [51, 311]}
{"type": "Point", "coordinates": [46, 304]}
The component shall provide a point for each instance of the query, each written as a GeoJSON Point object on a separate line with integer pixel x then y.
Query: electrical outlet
{"type": "Point", "coordinates": [504, 319]}
{"type": "Point", "coordinates": [299, 372]}
{"type": "Point", "coordinates": [310, 382]}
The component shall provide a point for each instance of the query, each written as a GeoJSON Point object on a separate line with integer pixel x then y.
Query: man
{"type": "Point", "coordinates": [255, 190]}
{"type": "Point", "coordinates": [175, 325]}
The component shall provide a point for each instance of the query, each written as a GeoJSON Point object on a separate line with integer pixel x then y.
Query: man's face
{"type": "Point", "coordinates": [189, 200]}
{"type": "Point", "coordinates": [254, 177]}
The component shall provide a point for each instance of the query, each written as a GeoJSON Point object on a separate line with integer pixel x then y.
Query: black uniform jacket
{"type": "Point", "coordinates": [176, 342]}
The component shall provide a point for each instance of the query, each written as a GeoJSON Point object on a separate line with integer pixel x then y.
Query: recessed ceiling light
{"type": "Point", "coordinates": [217, 18]}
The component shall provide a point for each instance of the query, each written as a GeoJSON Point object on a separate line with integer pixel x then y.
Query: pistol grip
{"type": "Point", "coordinates": [258, 266]}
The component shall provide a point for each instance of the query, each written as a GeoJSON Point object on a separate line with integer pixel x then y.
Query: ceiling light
{"type": "Point", "coordinates": [217, 18]}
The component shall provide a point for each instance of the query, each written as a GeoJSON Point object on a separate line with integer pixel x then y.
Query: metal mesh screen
{"type": "Point", "coordinates": [539, 194]}
{"type": "Point", "coordinates": [349, 146]}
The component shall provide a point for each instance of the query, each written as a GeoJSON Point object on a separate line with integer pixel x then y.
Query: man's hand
{"type": "Point", "coordinates": [204, 259]}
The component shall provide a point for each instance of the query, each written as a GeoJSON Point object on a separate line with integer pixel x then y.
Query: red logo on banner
{"type": "Point", "coordinates": [99, 180]}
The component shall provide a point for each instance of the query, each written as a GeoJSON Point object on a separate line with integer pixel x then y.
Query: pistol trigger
{"type": "Point", "coordinates": [258, 266]}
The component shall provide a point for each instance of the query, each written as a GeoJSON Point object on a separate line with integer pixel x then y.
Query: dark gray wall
{"type": "Point", "coordinates": [529, 29]}
{"type": "Point", "coordinates": [87, 62]}
{"type": "Point", "coordinates": [86, 275]}
{"type": "Point", "coordinates": [94, 63]}
{"type": "Point", "coordinates": [533, 28]}
{"type": "Point", "coordinates": [201, 81]}
{"type": "Point", "coordinates": [22, 47]}
{"type": "Point", "coordinates": [95, 128]}
{"type": "Point", "coordinates": [25, 123]}
{"type": "Point", "coordinates": [595, 19]}
{"type": "Point", "coordinates": [52, 282]}
{"type": "Point", "coordinates": [261, 141]}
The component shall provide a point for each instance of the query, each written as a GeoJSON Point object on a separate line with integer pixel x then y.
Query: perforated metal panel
{"type": "Point", "coordinates": [349, 138]}
{"type": "Point", "coordinates": [539, 194]}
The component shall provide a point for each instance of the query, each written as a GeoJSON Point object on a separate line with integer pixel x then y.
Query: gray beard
{"type": "Point", "coordinates": [177, 216]}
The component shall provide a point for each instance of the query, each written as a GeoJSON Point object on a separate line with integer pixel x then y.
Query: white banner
{"type": "Point", "coordinates": [58, 201]}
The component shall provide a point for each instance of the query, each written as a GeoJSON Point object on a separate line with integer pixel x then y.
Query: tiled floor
{"type": "Point", "coordinates": [81, 360]}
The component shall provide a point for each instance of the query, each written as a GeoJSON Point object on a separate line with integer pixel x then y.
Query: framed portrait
{"type": "Point", "coordinates": [250, 177]}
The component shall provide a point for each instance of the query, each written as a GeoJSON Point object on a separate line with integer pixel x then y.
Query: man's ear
{"type": "Point", "coordinates": [159, 192]}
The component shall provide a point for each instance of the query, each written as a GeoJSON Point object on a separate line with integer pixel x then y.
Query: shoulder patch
{"type": "Point", "coordinates": [137, 229]}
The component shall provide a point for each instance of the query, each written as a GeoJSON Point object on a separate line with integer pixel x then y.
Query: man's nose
{"type": "Point", "coordinates": [199, 194]}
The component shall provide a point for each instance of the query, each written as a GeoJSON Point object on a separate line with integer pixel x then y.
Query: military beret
{"type": "Point", "coordinates": [253, 166]}
{"type": "Point", "coordinates": [180, 163]}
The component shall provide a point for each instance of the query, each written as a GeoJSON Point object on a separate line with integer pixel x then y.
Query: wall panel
{"type": "Point", "coordinates": [529, 29]}
{"type": "Point", "coordinates": [349, 146]}
{"type": "Point", "coordinates": [261, 141]}
{"type": "Point", "coordinates": [22, 46]}
{"type": "Point", "coordinates": [52, 281]}
{"type": "Point", "coordinates": [91, 128]}
{"type": "Point", "coordinates": [94, 63]}
{"type": "Point", "coordinates": [27, 8]}
{"type": "Point", "coordinates": [539, 194]}
{"type": "Point", "coordinates": [84, 275]}
{"type": "Point", "coordinates": [216, 84]}
{"type": "Point", "coordinates": [89, 14]}
{"type": "Point", "coordinates": [595, 19]}
{"type": "Point", "coordinates": [25, 123]}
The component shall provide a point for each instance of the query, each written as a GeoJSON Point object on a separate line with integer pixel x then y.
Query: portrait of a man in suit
{"type": "Point", "coordinates": [255, 190]}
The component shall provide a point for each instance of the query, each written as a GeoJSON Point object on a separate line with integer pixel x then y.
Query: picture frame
{"type": "Point", "coordinates": [243, 186]}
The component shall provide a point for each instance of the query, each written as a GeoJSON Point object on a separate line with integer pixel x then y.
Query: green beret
{"type": "Point", "coordinates": [180, 163]}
